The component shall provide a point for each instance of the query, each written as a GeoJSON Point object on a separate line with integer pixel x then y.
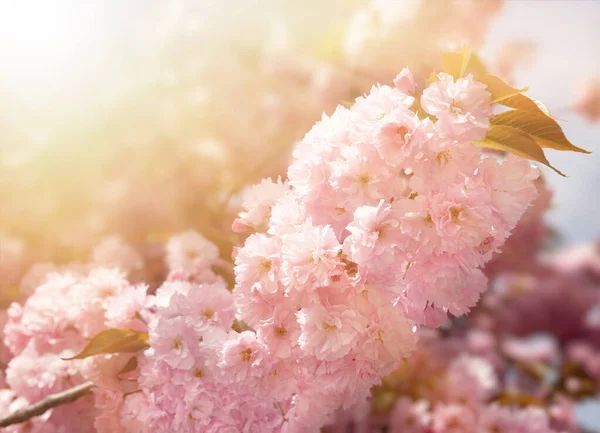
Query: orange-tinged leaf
{"type": "Point", "coordinates": [9, 295]}
{"type": "Point", "coordinates": [499, 90]}
{"type": "Point", "coordinates": [526, 103]}
{"type": "Point", "coordinates": [121, 340]}
{"type": "Point", "coordinates": [512, 140]}
{"type": "Point", "coordinates": [543, 129]}
{"type": "Point", "coordinates": [456, 64]}
{"type": "Point", "coordinates": [518, 398]}
{"type": "Point", "coordinates": [129, 367]}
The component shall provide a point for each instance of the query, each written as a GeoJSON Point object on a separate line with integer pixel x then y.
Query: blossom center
{"type": "Point", "coordinates": [443, 157]}
{"type": "Point", "coordinates": [455, 107]}
{"type": "Point", "coordinates": [177, 343]}
{"type": "Point", "coordinates": [402, 131]}
{"type": "Point", "coordinates": [208, 313]}
{"type": "Point", "coordinates": [246, 355]}
{"type": "Point", "coordinates": [363, 179]}
{"type": "Point", "coordinates": [265, 265]}
{"type": "Point", "coordinates": [328, 328]}
{"type": "Point", "coordinates": [381, 230]}
{"type": "Point", "coordinates": [456, 214]}
{"type": "Point", "coordinates": [428, 220]}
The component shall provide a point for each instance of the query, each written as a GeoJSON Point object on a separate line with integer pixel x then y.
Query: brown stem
{"type": "Point", "coordinates": [46, 404]}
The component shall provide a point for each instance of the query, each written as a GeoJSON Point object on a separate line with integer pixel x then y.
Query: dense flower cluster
{"type": "Point", "coordinates": [387, 219]}
{"type": "Point", "coordinates": [68, 307]}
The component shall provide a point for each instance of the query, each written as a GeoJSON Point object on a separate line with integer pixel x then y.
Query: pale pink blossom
{"type": "Point", "coordinates": [462, 106]}
{"type": "Point", "coordinates": [190, 252]}
{"type": "Point", "coordinates": [330, 333]}
{"type": "Point", "coordinates": [257, 201]}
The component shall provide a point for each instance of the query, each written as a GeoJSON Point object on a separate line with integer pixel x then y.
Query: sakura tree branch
{"type": "Point", "coordinates": [52, 401]}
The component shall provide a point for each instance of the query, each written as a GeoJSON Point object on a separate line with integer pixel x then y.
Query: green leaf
{"type": "Point", "coordinates": [499, 90]}
{"type": "Point", "coordinates": [455, 64]}
{"type": "Point", "coordinates": [509, 139]}
{"type": "Point", "coordinates": [122, 340]}
{"type": "Point", "coordinates": [543, 129]}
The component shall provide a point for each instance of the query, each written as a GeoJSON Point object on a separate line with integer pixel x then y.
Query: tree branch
{"type": "Point", "coordinates": [46, 404]}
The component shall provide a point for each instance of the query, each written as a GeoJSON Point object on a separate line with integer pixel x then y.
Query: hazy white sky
{"type": "Point", "coordinates": [568, 34]}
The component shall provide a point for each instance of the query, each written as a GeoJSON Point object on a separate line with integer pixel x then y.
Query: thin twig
{"type": "Point", "coordinates": [46, 404]}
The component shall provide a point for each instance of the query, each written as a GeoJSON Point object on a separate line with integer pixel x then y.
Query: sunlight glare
{"type": "Point", "coordinates": [45, 44]}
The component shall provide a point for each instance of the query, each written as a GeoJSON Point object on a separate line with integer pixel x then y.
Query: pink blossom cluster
{"type": "Point", "coordinates": [199, 374]}
{"type": "Point", "coordinates": [54, 323]}
{"type": "Point", "coordinates": [384, 225]}
{"type": "Point", "coordinates": [68, 305]}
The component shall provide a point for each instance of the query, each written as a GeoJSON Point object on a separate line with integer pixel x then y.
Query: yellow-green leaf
{"type": "Point", "coordinates": [476, 66]}
{"type": "Point", "coordinates": [122, 340]}
{"type": "Point", "coordinates": [456, 64]}
{"type": "Point", "coordinates": [515, 141]}
{"type": "Point", "coordinates": [499, 90]}
{"type": "Point", "coordinates": [526, 103]}
{"type": "Point", "coordinates": [459, 64]}
{"type": "Point", "coordinates": [543, 129]}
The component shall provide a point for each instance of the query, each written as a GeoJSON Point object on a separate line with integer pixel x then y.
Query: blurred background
{"type": "Point", "coordinates": [147, 117]}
